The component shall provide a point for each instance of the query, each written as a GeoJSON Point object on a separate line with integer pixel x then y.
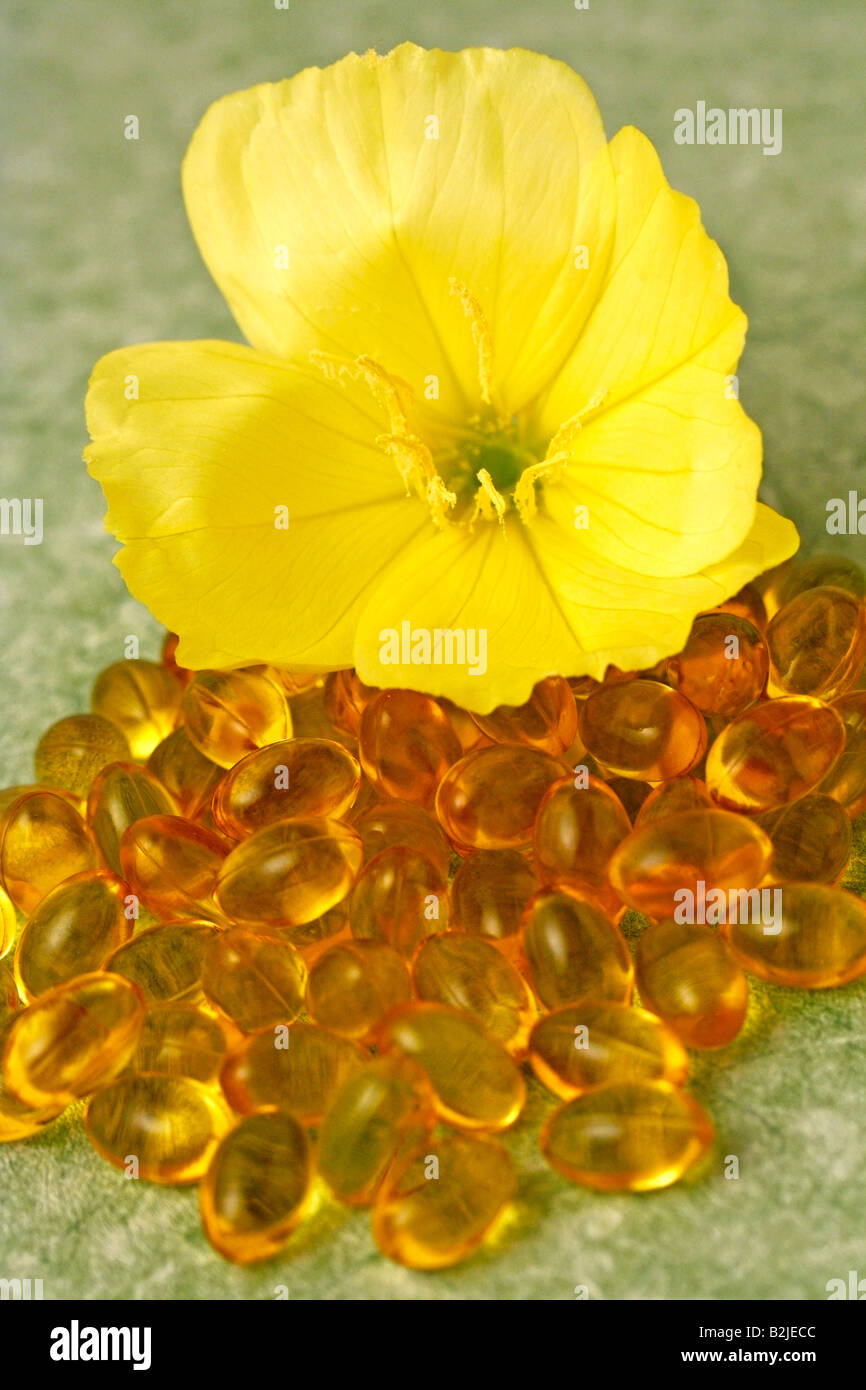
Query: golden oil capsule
{"type": "Point", "coordinates": [774, 753]}
{"type": "Point", "coordinates": [400, 897]}
{"type": "Point", "coordinates": [10, 999]}
{"type": "Point", "coordinates": [256, 1187]}
{"type": "Point", "coordinates": [632, 793]}
{"type": "Point", "coordinates": [489, 798]}
{"type": "Point", "coordinates": [140, 697]}
{"type": "Point", "coordinates": [489, 895]}
{"type": "Point", "coordinates": [682, 858]}
{"type": "Point", "coordinates": [168, 658]}
{"type": "Point", "coordinates": [627, 1136]}
{"type": "Point", "coordinates": [75, 749]}
{"type": "Point", "coordinates": [679, 794]}
{"type": "Point", "coordinates": [577, 830]}
{"type": "Point", "coordinates": [821, 571]}
{"type": "Point", "coordinates": [172, 865]}
{"type": "Point", "coordinates": [312, 938]}
{"type": "Point", "coordinates": [228, 714]}
{"type": "Point", "coordinates": [464, 726]}
{"type": "Point", "coordinates": [406, 745]}
{"type": "Point", "coordinates": [43, 840]}
{"type": "Point", "coordinates": [819, 943]}
{"type": "Point", "coordinates": [382, 1110]}
{"type": "Point", "coordinates": [121, 794]}
{"type": "Point", "coordinates": [686, 974]}
{"type": "Point", "coordinates": [187, 775]}
{"type": "Point", "coordinates": [642, 729]}
{"type": "Point", "coordinates": [255, 979]}
{"type": "Point", "coordinates": [548, 719]}
{"type": "Point", "coordinates": [723, 667]}
{"type": "Point", "coordinates": [297, 1067]}
{"type": "Point", "coordinates": [72, 931]}
{"type": "Point", "coordinates": [353, 986]}
{"type": "Point", "coordinates": [746, 603]}
{"type": "Point", "coordinates": [290, 780]}
{"type": "Point", "coordinates": [572, 951]}
{"type": "Point", "coordinates": [435, 1207]}
{"type": "Point", "coordinates": [475, 1083]}
{"type": "Point", "coordinates": [165, 962]}
{"type": "Point", "coordinates": [817, 644]}
{"type": "Point", "coordinates": [589, 1044]}
{"type": "Point", "coordinates": [17, 1120]}
{"type": "Point", "coordinates": [387, 823]}
{"type": "Point", "coordinates": [8, 922]}
{"type": "Point", "coordinates": [72, 1039]}
{"type": "Point", "coordinates": [469, 973]}
{"type": "Point", "coordinates": [311, 718]}
{"type": "Point", "coordinates": [160, 1128]}
{"type": "Point", "coordinates": [811, 840]}
{"type": "Point", "coordinates": [846, 780]}
{"type": "Point", "coordinates": [289, 873]}
{"type": "Point", "coordinates": [179, 1039]}
{"type": "Point", "coordinates": [345, 698]}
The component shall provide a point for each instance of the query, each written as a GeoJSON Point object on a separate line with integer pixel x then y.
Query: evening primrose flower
{"type": "Point", "coordinates": [489, 390]}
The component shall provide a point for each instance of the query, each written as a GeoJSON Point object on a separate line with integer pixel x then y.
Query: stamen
{"type": "Point", "coordinates": [490, 505]}
{"type": "Point", "coordinates": [481, 336]}
{"type": "Point", "coordinates": [555, 462]}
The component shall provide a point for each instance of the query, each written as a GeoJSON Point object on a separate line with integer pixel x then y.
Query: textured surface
{"type": "Point", "coordinates": [98, 254]}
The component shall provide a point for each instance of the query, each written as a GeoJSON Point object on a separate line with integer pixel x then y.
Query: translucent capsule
{"type": "Point", "coordinates": [43, 840]}
{"type": "Point", "coordinates": [406, 745]}
{"type": "Point", "coordinates": [723, 667]}
{"type": "Point", "coordinates": [346, 698]}
{"type": "Point", "coordinates": [577, 830]}
{"type": "Point", "coordinates": [686, 974]}
{"type": "Point", "coordinates": [821, 571]}
{"type": "Point", "coordinates": [255, 979]}
{"type": "Point", "coordinates": [572, 951]}
{"type": "Point", "coordinates": [746, 603]}
{"type": "Point", "coordinates": [299, 1067]}
{"type": "Point", "coordinates": [166, 962]}
{"type": "Point", "coordinates": [469, 973]}
{"type": "Point", "coordinates": [382, 1110]}
{"type": "Point", "coordinates": [311, 718]}
{"type": "Point", "coordinates": [228, 714]}
{"type": "Point", "coordinates": [628, 1135]}
{"type": "Point", "coordinates": [121, 794]}
{"type": "Point", "coordinates": [160, 1128]}
{"type": "Point", "coordinates": [400, 897]}
{"type": "Point", "coordinates": [353, 986]}
{"type": "Point", "coordinates": [548, 720]}
{"type": "Point", "coordinates": [666, 864]}
{"type": "Point", "coordinates": [819, 943]}
{"type": "Point", "coordinates": [489, 894]}
{"type": "Point", "coordinates": [256, 1187]}
{"type": "Point", "coordinates": [187, 775]}
{"type": "Point", "coordinates": [8, 922]}
{"type": "Point", "coordinates": [289, 873]}
{"type": "Point", "coordinates": [817, 643]}
{"type": "Point", "coordinates": [464, 726]}
{"type": "Point", "coordinates": [172, 865]}
{"type": "Point", "coordinates": [140, 697]}
{"type": "Point", "coordinates": [679, 794]}
{"type": "Point", "coordinates": [72, 931]}
{"type": "Point", "coordinates": [17, 1120]}
{"type": "Point", "coordinates": [774, 753]}
{"type": "Point", "coordinates": [436, 1206]}
{"type": "Point", "coordinates": [589, 1044]}
{"type": "Point", "coordinates": [75, 749]}
{"type": "Point", "coordinates": [475, 1083]}
{"type": "Point", "coordinates": [72, 1039]}
{"type": "Point", "coordinates": [846, 780]}
{"type": "Point", "coordinates": [10, 999]}
{"type": "Point", "coordinates": [632, 794]}
{"type": "Point", "coordinates": [312, 938]}
{"type": "Point", "coordinates": [293, 779]}
{"type": "Point", "coordinates": [642, 729]}
{"type": "Point", "coordinates": [490, 798]}
{"type": "Point", "coordinates": [179, 1039]}
{"type": "Point", "coordinates": [811, 840]}
{"type": "Point", "coordinates": [388, 823]}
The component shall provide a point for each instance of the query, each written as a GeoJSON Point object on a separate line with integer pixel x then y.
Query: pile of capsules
{"type": "Point", "coordinates": [279, 929]}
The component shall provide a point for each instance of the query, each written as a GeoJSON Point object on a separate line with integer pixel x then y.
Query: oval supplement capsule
{"type": "Point", "coordinates": [583, 1045]}
{"type": "Point", "coordinates": [400, 898]}
{"type": "Point", "coordinates": [489, 895]}
{"type": "Point", "coordinates": [290, 780]}
{"type": "Point", "coordinates": [572, 951]}
{"type": "Point", "coordinates": [165, 962]}
{"type": "Point", "coordinates": [172, 865]}
{"type": "Point", "coordinates": [576, 832]}
{"type": "Point", "coordinates": [489, 798]}
{"type": "Point", "coordinates": [819, 943]}
{"type": "Point", "coordinates": [72, 931]}
{"type": "Point", "coordinates": [140, 697]}
{"type": "Point", "coordinates": [406, 745]}
{"type": "Point", "coordinates": [298, 1067]}
{"type": "Point", "coordinates": [817, 643]}
{"type": "Point", "coordinates": [43, 841]}
{"type": "Point", "coordinates": [548, 720]}
{"type": "Point", "coordinates": [811, 840]}
{"type": "Point", "coordinates": [160, 1128]}
{"type": "Point", "coordinates": [255, 979]}
{"type": "Point", "coordinates": [228, 714]}
{"type": "Point", "coordinates": [289, 873]}
{"type": "Point", "coordinates": [179, 1039]}
{"type": "Point", "coordinates": [469, 973]}
{"type": "Point", "coordinates": [723, 667]}
{"type": "Point", "coordinates": [686, 974]}
{"type": "Point", "coordinates": [121, 794]}
{"type": "Point", "coordinates": [643, 729]}
{"type": "Point", "coordinates": [773, 754]}
{"type": "Point", "coordinates": [256, 1187]}
{"type": "Point", "coordinates": [353, 986]}
{"type": "Point", "coordinates": [385, 1108]}
{"type": "Point", "coordinates": [75, 749]}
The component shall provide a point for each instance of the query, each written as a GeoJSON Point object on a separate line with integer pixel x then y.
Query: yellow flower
{"type": "Point", "coordinates": [488, 390]}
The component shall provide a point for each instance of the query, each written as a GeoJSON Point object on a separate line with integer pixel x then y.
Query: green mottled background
{"type": "Point", "coordinates": [97, 253]}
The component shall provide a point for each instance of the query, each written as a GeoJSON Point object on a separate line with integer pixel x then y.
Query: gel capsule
{"type": "Point", "coordinates": [406, 745]}
{"type": "Point", "coordinates": [290, 780]}
{"type": "Point", "coordinates": [299, 1067]}
{"type": "Point", "coordinates": [140, 697]}
{"type": "Point", "coordinates": [354, 985]}
{"type": "Point", "coordinates": [8, 922]}
{"type": "Point", "coordinates": [679, 794]}
{"type": "Point", "coordinates": [576, 832]}
{"type": "Point", "coordinates": [228, 714]}
{"type": "Point", "coordinates": [811, 840]}
{"type": "Point", "coordinates": [74, 928]}
{"type": "Point", "coordinates": [43, 840]}
{"type": "Point", "coordinates": [490, 798]}
{"type": "Point", "coordinates": [469, 973]}
{"type": "Point", "coordinates": [489, 894]}
{"type": "Point", "coordinates": [629, 1135]}
{"type": "Point", "coordinates": [172, 865]}
{"type": "Point", "coordinates": [121, 794]}
{"type": "Point", "coordinates": [166, 962]}
{"type": "Point", "coordinates": [817, 644]}
{"type": "Point", "coordinates": [584, 1045]}
{"type": "Point", "coordinates": [255, 979]}
{"type": "Point", "coordinates": [312, 938]}
{"type": "Point", "coordinates": [384, 1109]}
{"type": "Point", "coordinates": [723, 667]}
{"type": "Point", "coordinates": [74, 750]}
{"type": "Point", "coordinates": [819, 943]}
{"type": "Point", "coordinates": [686, 974]}
{"type": "Point", "coordinates": [17, 1120]}
{"type": "Point", "coordinates": [436, 1206]}
{"type": "Point", "coordinates": [289, 873]}
{"type": "Point", "coordinates": [846, 780]}
{"type": "Point", "coordinates": [388, 823]}
{"type": "Point", "coordinates": [160, 1128]}
{"type": "Point", "coordinates": [346, 697]}
{"type": "Point", "coordinates": [662, 860]}
{"type": "Point", "coordinates": [642, 729]}
{"type": "Point", "coordinates": [746, 603]}
{"type": "Point", "coordinates": [187, 775]}
{"type": "Point", "coordinates": [475, 1083]}
{"type": "Point", "coordinates": [547, 721]}
{"type": "Point", "coordinates": [72, 1039]}
{"type": "Point", "coordinates": [774, 753]}
{"type": "Point", "coordinates": [400, 897]}
{"type": "Point", "coordinates": [821, 571]}
{"type": "Point", "coordinates": [179, 1039]}
{"type": "Point", "coordinates": [10, 999]}
{"type": "Point", "coordinates": [573, 951]}
{"type": "Point", "coordinates": [256, 1187]}
{"type": "Point", "coordinates": [311, 718]}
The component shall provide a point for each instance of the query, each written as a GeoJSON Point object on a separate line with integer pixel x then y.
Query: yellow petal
{"type": "Point", "coordinates": [335, 209]}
